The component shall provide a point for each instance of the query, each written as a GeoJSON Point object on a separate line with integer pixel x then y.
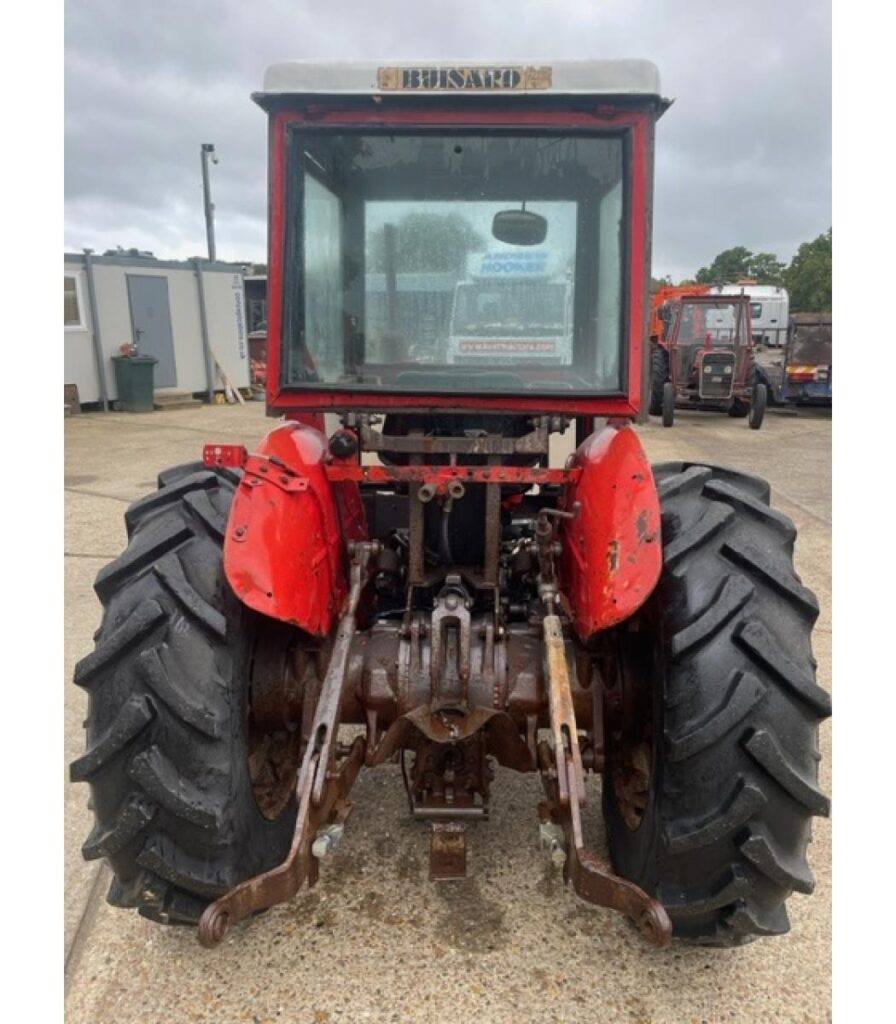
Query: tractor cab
{"type": "Point", "coordinates": [470, 240]}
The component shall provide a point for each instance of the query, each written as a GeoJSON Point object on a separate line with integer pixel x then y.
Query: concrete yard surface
{"type": "Point", "coordinates": [375, 941]}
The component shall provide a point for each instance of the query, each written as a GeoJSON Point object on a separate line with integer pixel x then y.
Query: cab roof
{"type": "Point", "coordinates": [606, 78]}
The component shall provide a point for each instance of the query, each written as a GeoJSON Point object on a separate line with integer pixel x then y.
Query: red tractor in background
{"type": "Point", "coordinates": [425, 574]}
{"type": "Point", "coordinates": [704, 359]}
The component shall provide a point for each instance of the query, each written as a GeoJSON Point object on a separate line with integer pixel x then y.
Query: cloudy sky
{"type": "Point", "coordinates": [743, 156]}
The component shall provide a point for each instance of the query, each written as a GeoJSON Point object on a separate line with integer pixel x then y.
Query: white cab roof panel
{"type": "Point", "coordinates": [582, 77]}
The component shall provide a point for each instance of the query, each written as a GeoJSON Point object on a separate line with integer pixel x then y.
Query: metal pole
{"type": "Point", "coordinates": [203, 323]}
{"type": "Point", "coordinates": [208, 150]}
{"type": "Point", "coordinates": [95, 324]}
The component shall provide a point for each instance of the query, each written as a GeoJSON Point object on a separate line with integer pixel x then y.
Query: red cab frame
{"type": "Point", "coordinates": [637, 123]}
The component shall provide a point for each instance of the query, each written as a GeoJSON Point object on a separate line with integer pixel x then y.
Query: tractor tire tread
{"type": "Point", "coordinates": [786, 871]}
{"type": "Point", "coordinates": [765, 751]}
{"type": "Point", "coordinates": [138, 625]}
{"type": "Point", "coordinates": [166, 860]}
{"type": "Point", "coordinates": [740, 499]}
{"type": "Point", "coordinates": [140, 555]}
{"type": "Point", "coordinates": [745, 691]}
{"type": "Point", "coordinates": [174, 473]}
{"type": "Point", "coordinates": [731, 595]}
{"type": "Point", "coordinates": [716, 518]}
{"type": "Point", "coordinates": [767, 652]}
{"type": "Point", "coordinates": [753, 560]}
{"type": "Point", "coordinates": [659, 374]}
{"type": "Point", "coordinates": [205, 718]}
{"type": "Point", "coordinates": [129, 823]}
{"type": "Point", "coordinates": [200, 504]}
{"type": "Point", "coordinates": [746, 800]}
{"type": "Point", "coordinates": [171, 576]}
{"type": "Point", "coordinates": [135, 714]}
{"type": "Point", "coordinates": [724, 841]}
{"type": "Point", "coordinates": [166, 756]}
{"type": "Point", "coordinates": [158, 777]}
{"type": "Point", "coordinates": [169, 495]}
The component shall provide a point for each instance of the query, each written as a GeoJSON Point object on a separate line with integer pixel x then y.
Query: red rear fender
{"type": "Point", "coordinates": [285, 550]}
{"type": "Point", "coordinates": [612, 552]}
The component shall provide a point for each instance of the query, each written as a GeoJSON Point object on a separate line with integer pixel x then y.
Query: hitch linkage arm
{"type": "Point", "coordinates": [321, 790]}
{"type": "Point", "coordinates": [563, 774]}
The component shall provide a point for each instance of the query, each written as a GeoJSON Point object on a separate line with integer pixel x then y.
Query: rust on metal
{"type": "Point", "coordinates": [447, 851]}
{"type": "Point", "coordinates": [282, 882]}
{"type": "Point", "coordinates": [570, 773]}
{"type": "Point", "coordinates": [534, 443]}
{"type": "Point", "coordinates": [322, 788]}
{"type": "Point", "coordinates": [443, 477]}
{"type": "Point", "coordinates": [591, 876]}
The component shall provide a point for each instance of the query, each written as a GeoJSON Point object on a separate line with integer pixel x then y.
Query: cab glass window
{"type": "Point", "coordinates": [399, 275]}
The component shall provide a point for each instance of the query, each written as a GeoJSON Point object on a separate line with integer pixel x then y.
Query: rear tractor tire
{"type": "Point", "coordinates": [757, 406]}
{"type": "Point", "coordinates": [659, 374]}
{"type": "Point", "coordinates": [668, 403]}
{"type": "Point", "coordinates": [189, 797]}
{"type": "Point", "coordinates": [711, 777]}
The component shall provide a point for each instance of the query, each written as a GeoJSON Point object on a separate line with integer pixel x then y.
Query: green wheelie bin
{"type": "Point", "coordinates": [134, 379]}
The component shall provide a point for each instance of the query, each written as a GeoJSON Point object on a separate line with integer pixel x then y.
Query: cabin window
{"type": "Point", "coordinates": [74, 318]}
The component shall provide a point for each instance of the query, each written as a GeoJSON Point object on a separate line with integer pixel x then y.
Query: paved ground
{"type": "Point", "coordinates": [375, 941]}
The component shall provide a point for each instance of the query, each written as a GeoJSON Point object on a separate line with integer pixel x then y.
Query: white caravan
{"type": "Point", "coordinates": [769, 310]}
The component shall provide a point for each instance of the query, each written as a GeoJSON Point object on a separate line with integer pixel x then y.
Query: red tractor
{"type": "Point", "coordinates": [423, 574]}
{"type": "Point", "coordinates": [705, 359]}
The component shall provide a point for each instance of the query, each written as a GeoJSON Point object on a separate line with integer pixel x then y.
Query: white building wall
{"type": "Point", "coordinates": [78, 359]}
{"type": "Point", "coordinates": [225, 311]}
{"type": "Point", "coordinates": [225, 306]}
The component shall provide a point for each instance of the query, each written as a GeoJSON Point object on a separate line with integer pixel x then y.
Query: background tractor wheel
{"type": "Point", "coordinates": [659, 374]}
{"type": "Point", "coordinates": [757, 406]}
{"type": "Point", "coordinates": [711, 778]}
{"type": "Point", "coordinates": [668, 403]}
{"type": "Point", "coordinates": [186, 796]}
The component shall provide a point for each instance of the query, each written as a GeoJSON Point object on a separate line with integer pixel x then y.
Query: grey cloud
{"type": "Point", "coordinates": [743, 156]}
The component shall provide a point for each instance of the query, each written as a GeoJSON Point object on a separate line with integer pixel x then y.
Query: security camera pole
{"type": "Point", "coordinates": [208, 150]}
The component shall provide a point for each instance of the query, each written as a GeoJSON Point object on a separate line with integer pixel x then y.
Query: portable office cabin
{"type": "Point", "coordinates": [187, 314]}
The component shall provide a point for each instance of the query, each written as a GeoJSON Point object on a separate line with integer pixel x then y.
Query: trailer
{"type": "Point", "coordinates": [808, 367]}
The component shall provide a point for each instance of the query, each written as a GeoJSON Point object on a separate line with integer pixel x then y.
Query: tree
{"type": "Point", "coordinates": [431, 242]}
{"type": "Point", "coordinates": [808, 278]}
{"type": "Point", "coordinates": [733, 264]}
{"type": "Point", "coordinates": [766, 268]}
{"type": "Point", "coordinates": [728, 266]}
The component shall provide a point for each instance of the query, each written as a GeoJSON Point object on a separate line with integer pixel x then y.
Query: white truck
{"type": "Point", "coordinates": [769, 310]}
{"type": "Point", "coordinates": [515, 307]}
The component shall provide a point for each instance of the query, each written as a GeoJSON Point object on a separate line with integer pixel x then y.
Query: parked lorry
{"type": "Point", "coordinates": [808, 369]}
{"type": "Point", "coordinates": [514, 307]}
{"type": "Point", "coordinates": [424, 574]}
